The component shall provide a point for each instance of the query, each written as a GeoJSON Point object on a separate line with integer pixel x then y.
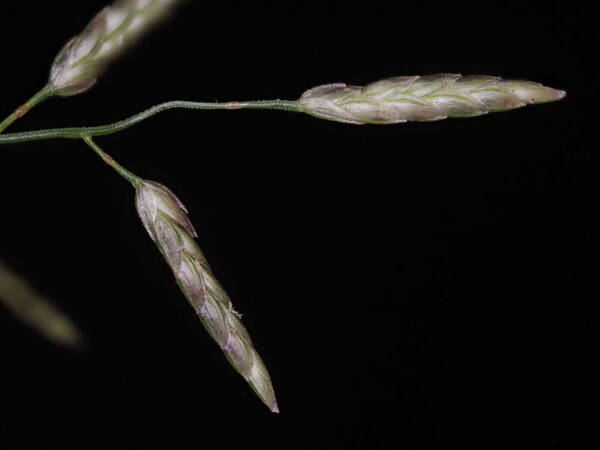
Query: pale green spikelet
{"type": "Point", "coordinates": [423, 98]}
{"type": "Point", "coordinates": [83, 59]}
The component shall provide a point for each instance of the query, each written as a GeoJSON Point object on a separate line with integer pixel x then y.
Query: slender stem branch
{"type": "Point", "coordinates": [39, 97]}
{"type": "Point", "coordinates": [79, 133]}
{"type": "Point", "coordinates": [132, 178]}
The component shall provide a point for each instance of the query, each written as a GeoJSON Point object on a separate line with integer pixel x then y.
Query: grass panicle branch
{"type": "Point", "coordinates": [38, 98]}
{"type": "Point", "coordinates": [103, 130]}
{"type": "Point", "coordinates": [423, 98]}
{"type": "Point", "coordinates": [132, 178]}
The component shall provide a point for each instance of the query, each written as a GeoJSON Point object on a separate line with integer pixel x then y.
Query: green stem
{"type": "Point", "coordinates": [79, 133]}
{"type": "Point", "coordinates": [132, 178]}
{"type": "Point", "coordinates": [42, 95]}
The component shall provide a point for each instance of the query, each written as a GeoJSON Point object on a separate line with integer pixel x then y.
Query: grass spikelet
{"type": "Point", "coordinates": [112, 31]}
{"type": "Point", "coordinates": [423, 98]}
{"type": "Point", "coordinates": [36, 310]}
{"type": "Point", "coordinates": [165, 219]}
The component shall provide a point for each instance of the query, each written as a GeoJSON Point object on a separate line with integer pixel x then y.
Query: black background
{"type": "Point", "coordinates": [409, 286]}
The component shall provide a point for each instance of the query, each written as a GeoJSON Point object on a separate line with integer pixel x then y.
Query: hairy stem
{"type": "Point", "coordinates": [132, 178]}
{"type": "Point", "coordinates": [39, 97]}
{"type": "Point", "coordinates": [82, 132]}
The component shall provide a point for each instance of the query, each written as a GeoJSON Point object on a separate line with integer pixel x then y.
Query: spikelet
{"type": "Point", "coordinates": [37, 310]}
{"type": "Point", "coordinates": [83, 59]}
{"type": "Point", "coordinates": [165, 219]}
{"type": "Point", "coordinates": [423, 98]}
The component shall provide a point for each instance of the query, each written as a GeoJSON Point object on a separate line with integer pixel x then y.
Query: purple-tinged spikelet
{"type": "Point", "coordinates": [165, 218]}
